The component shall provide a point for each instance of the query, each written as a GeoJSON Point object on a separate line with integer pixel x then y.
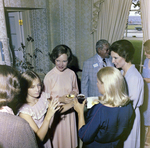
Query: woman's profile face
{"type": "Point", "coordinates": [35, 89]}
{"type": "Point", "coordinates": [61, 62]}
{"type": "Point", "coordinates": [117, 60]}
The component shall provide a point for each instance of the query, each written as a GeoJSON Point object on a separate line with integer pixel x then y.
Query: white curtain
{"type": "Point", "coordinates": [112, 19]}
{"type": "Point", "coordinates": [145, 14]}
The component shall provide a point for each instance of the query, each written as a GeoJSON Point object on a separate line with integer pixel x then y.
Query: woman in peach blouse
{"type": "Point", "coordinates": [60, 82]}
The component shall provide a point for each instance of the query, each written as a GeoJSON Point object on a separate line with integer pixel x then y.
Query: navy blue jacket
{"type": "Point", "coordinates": [107, 127]}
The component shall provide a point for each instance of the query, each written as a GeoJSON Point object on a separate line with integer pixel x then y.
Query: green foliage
{"type": "Point", "coordinates": [137, 55]}
{"type": "Point", "coordinates": [136, 3]}
{"type": "Point", "coordinates": [132, 27]}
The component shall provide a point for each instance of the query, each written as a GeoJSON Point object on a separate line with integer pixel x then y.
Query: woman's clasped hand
{"type": "Point", "coordinates": [79, 106]}
{"type": "Point", "coordinates": [53, 106]}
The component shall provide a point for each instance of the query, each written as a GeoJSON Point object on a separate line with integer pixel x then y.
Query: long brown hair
{"type": "Point", "coordinates": [26, 81]}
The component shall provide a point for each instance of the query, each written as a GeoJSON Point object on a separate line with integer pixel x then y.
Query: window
{"type": "Point", "coordinates": [133, 28]}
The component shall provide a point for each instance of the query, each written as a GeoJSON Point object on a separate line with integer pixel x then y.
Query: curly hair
{"type": "Point", "coordinates": [59, 50]}
{"type": "Point", "coordinates": [9, 84]}
{"type": "Point", "coordinates": [101, 43]}
{"type": "Point", "coordinates": [123, 48]}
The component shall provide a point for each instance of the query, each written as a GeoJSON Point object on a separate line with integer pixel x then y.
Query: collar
{"type": "Point", "coordinates": [100, 59]}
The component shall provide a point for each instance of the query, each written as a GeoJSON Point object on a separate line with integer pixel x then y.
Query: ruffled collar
{"type": "Point", "coordinates": [39, 109]}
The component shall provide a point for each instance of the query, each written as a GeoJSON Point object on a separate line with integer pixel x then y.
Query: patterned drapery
{"type": "Point", "coordinates": [95, 13]}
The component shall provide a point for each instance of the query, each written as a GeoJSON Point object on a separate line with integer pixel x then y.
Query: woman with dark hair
{"type": "Point", "coordinates": [122, 52]}
{"type": "Point", "coordinates": [59, 50]}
{"type": "Point", "coordinates": [36, 108]}
{"type": "Point", "coordinates": [61, 82]}
{"type": "Point", "coordinates": [14, 131]}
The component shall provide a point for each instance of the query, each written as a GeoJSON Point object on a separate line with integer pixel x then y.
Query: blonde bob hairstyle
{"type": "Point", "coordinates": [147, 46]}
{"type": "Point", "coordinates": [114, 85]}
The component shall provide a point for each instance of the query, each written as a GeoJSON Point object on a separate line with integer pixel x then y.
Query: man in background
{"type": "Point", "coordinates": [92, 66]}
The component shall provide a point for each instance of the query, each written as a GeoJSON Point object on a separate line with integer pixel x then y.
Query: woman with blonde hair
{"type": "Point", "coordinates": [109, 122]}
{"type": "Point", "coordinates": [115, 97]}
{"type": "Point", "coordinates": [146, 106]}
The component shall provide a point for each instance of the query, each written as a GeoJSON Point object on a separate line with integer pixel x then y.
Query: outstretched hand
{"type": "Point", "coordinates": [53, 106]}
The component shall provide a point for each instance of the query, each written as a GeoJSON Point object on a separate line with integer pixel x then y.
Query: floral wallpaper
{"type": "Point", "coordinates": [70, 24]}
{"type": "Point", "coordinates": [39, 32]}
{"type": "Point", "coordinates": [38, 23]}
{"type": "Point", "coordinates": [84, 38]}
{"type": "Point", "coordinates": [58, 22]}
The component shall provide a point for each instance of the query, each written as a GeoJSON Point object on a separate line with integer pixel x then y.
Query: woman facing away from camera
{"type": "Point", "coordinates": [14, 131]}
{"type": "Point", "coordinates": [108, 123]}
{"type": "Point", "coordinates": [36, 108]}
{"type": "Point", "coordinates": [60, 82]}
{"type": "Point", "coordinates": [122, 52]}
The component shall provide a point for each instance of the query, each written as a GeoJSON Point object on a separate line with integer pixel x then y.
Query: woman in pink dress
{"type": "Point", "coordinates": [60, 82]}
{"type": "Point", "coordinates": [35, 108]}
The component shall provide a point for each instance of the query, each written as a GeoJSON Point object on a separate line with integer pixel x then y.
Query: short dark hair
{"type": "Point", "coordinates": [59, 50]}
{"type": "Point", "coordinates": [123, 48]}
{"type": "Point", "coordinates": [9, 84]}
{"type": "Point", "coordinates": [100, 44]}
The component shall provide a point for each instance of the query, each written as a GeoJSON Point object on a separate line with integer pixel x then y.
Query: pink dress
{"type": "Point", "coordinates": [64, 134]}
{"type": "Point", "coordinates": [37, 112]}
